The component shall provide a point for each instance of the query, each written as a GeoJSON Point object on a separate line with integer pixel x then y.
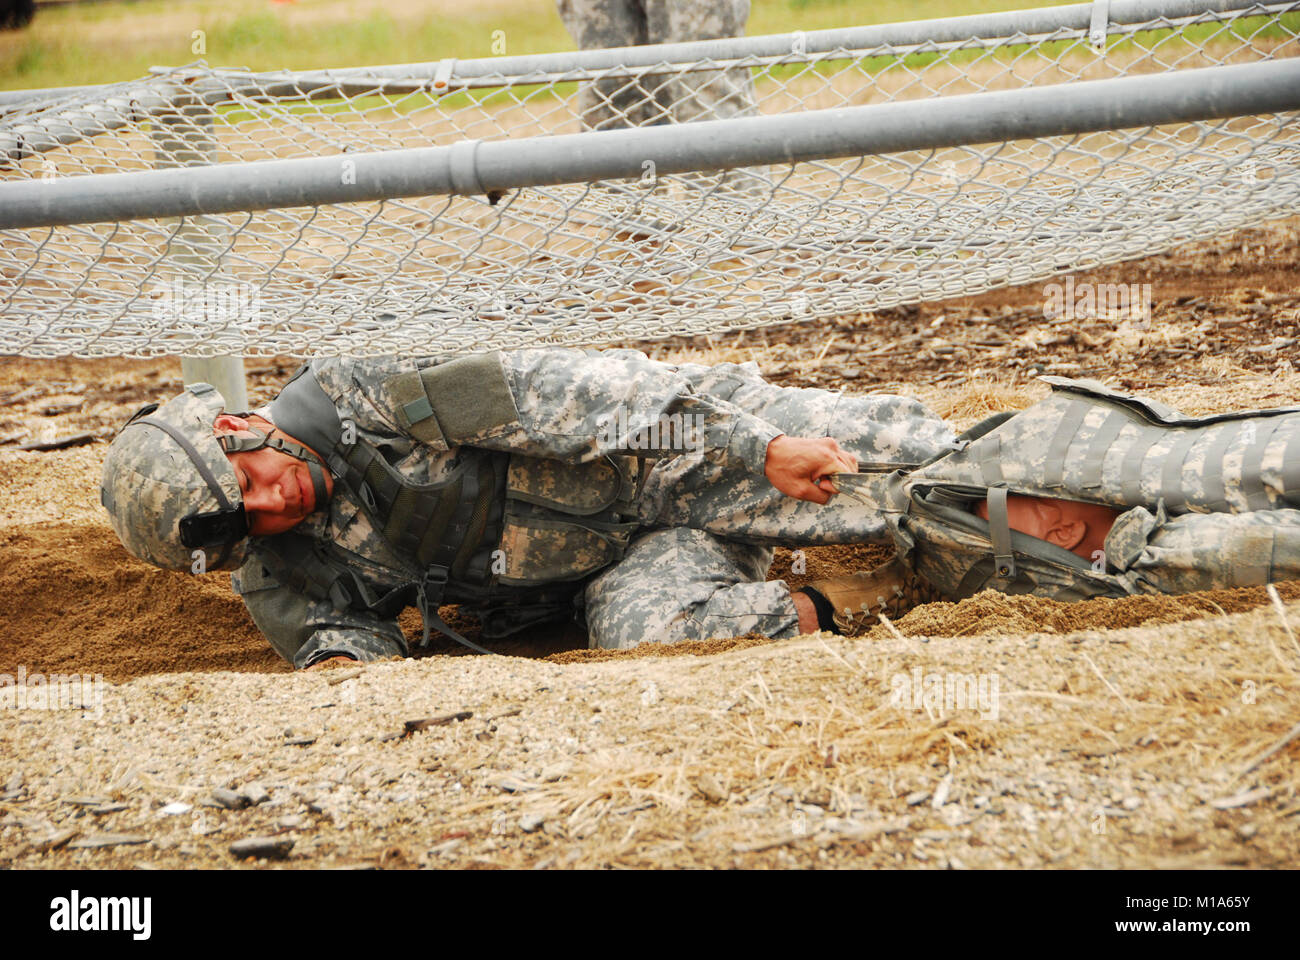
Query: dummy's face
{"type": "Point", "coordinates": [1071, 525]}
{"type": "Point", "coordinates": [1056, 521]}
{"type": "Point", "coordinates": [276, 487]}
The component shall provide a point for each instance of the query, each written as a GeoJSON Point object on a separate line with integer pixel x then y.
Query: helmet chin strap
{"type": "Point", "coordinates": [233, 444]}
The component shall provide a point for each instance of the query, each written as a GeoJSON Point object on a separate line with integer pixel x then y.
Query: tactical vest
{"type": "Point", "coordinates": [1088, 443]}
{"type": "Point", "coordinates": [499, 533]}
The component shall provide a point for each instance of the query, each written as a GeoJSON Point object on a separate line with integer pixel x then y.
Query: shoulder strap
{"type": "Point", "coordinates": [303, 410]}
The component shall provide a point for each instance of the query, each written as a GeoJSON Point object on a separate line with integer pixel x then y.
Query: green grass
{"type": "Point", "coordinates": [100, 43]}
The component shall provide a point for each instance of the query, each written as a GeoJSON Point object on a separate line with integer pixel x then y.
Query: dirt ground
{"type": "Point", "coordinates": [1129, 732]}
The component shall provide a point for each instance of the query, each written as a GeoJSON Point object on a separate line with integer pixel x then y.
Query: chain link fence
{"type": "Point", "coordinates": [718, 244]}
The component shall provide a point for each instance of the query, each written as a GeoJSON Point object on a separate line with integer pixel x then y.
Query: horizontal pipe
{"type": "Point", "coordinates": [1009, 23]}
{"type": "Point", "coordinates": [476, 167]}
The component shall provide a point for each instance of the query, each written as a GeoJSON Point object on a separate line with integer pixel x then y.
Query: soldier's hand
{"type": "Point", "coordinates": [797, 465]}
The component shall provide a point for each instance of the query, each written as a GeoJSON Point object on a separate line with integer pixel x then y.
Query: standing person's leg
{"type": "Point", "coordinates": [707, 94]}
{"type": "Point", "coordinates": [613, 102]}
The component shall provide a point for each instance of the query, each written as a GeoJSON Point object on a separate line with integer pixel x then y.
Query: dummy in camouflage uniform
{"type": "Point", "coordinates": [1208, 501]}
{"type": "Point", "coordinates": [612, 103]}
{"type": "Point", "coordinates": [700, 521]}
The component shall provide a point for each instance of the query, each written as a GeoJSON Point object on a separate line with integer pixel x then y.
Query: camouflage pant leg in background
{"type": "Point", "coordinates": [615, 102]}
{"type": "Point", "coordinates": [679, 584]}
{"type": "Point", "coordinates": [1205, 551]}
{"type": "Point", "coordinates": [692, 491]}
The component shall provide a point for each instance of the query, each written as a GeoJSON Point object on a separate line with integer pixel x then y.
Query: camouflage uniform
{"type": "Point", "coordinates": [705, 513]}
{"type": "Point", "coordinates": [1207, 502]}
{"type": "Point", "coordinates": [612, 103]}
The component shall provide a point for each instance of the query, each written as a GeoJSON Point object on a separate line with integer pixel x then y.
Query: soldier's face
{"type": "Point", "coordinates": [276, 487]}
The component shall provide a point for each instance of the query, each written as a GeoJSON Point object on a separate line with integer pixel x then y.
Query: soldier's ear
{"type": "Point", "coordinates": [229, 423]}
{"type": "Point", "coordinates": [1067, 533]}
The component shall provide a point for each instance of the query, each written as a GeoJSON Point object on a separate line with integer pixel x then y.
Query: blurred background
{"type": "Point", "coordinates": [100, 41]}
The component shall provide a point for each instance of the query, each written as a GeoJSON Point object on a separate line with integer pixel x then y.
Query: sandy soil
{"type": "Point", "coordinates": [1122, 735]}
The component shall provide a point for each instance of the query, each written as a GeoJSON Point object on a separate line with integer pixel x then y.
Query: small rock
{"type": "Point", "coordinates": [54, 840]}
{"type": "Point", "coordinates": [954, 815]}
{"type": "Point", "coordinates": [14, 783]}
{"type": "Point", "coordinates": [1131, 803]}
{"type": "Point", "coordinates": [917, 797]}
{"type": "Point", "coordinates": [531, 822]}
{"type": "Point", "coordinates": [710, 789]}
{"type": "Point", "coordinates": [291, 822]}
{"type": "Point", "coordinates": [255, 793]}
{"type": "Point", "coordinates": [176, 808]}
{"type": "Point", "coordinates": [272, 848]}
{"type": "Point", "coordinates": [299, 741]}
{"type": "Point", "coordinates": [556, 771]}
{"type": "Point", "coordinates": [1247, 830]}
{"type": "Point", "coordinates": [941, 792]}
{"type": "Point", "coordinates": [446, 849]}
{"type": "Point", "coordinates": [109, 808]}
{"type": "Point", "coordinates": [511, 783]}
{"type": "Point", "coordinates": [106, 840]}
{"type": "Point", "coordinates": [229, 799]}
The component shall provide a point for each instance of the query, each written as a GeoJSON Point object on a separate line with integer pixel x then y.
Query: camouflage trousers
{"type": "Point", "coordinates": [611, 103]}
{"type": "Point", "coordinates": [699, 571]}
{"type": "Point", "coordinates": [1204, 551]}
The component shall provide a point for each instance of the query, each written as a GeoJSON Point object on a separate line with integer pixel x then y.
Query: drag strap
{"type": "Point", "coordinates": [1004, 561]}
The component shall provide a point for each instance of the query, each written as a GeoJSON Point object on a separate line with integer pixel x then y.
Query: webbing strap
{"type": "Point", "coordinates": [1252, 465]}
{"type": "Point", "coordinates": [1291, 466]}
{"type": "Point", "coordinates": [1171, 477]}
{"type": "Point", "coordinates": [435, 531]}
{"type": "Point", "coordinates": [444, 553]}
{"type": "Point", "coordinates": [990, 451]}
{"type": "Point", "coordinates": [1134, 459]}
{"type": "Point", "coordinates": [204, 472]}
{"type": "Point", "coordinates": [1059, 448]}
{"type": "Point", "coordinates": [1216, 491]}
{"type": "Point", "coordinates": [477, 522]}
{"type": "Point", "coordinates": [1095, 459]}
{"type": "Point", "coordinates": [1004, 561]}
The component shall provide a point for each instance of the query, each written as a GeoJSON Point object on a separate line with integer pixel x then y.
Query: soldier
{"type": "Point", "coordinates": [1095, 493]}
{"type": "Point", "coordinates": [610, 103]}
{"type": "Point", "coordinates": [527, 486]}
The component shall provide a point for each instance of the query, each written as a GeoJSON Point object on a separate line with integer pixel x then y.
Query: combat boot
{"type": "Point", "coordinates": [856, 601]}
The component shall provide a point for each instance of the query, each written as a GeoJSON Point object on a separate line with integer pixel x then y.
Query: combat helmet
{"type": "Point", "coordinates": [171, 493]}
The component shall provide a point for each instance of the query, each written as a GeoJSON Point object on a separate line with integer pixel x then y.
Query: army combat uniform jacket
{"type": "Point", "coordinates": [606, 482]}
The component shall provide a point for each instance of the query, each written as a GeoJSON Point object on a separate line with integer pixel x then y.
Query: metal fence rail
{"type": "Point", "coordinates": [730, 183]}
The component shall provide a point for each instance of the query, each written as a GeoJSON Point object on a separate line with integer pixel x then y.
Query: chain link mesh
{"type": "Point", "coordinates": [608, 261]}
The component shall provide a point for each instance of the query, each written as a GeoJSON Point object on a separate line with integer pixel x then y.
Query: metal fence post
{"type": "Point", "coordinates": [183, 136]}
